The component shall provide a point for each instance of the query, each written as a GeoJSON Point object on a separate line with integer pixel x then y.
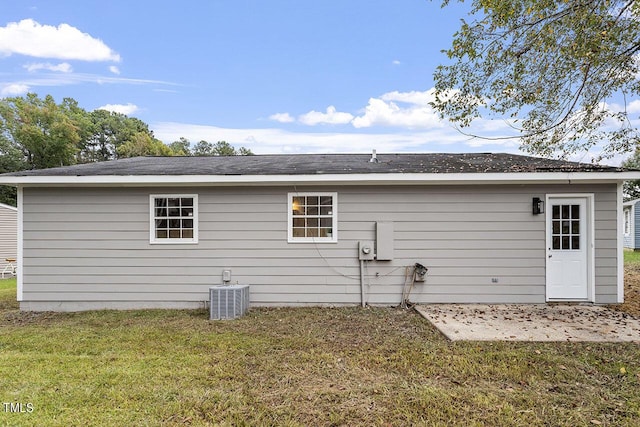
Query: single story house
{"type": "Point", "coordinates": [631, 224]}
{"type": "Point", "coordinates": [319, 229]}
{"type": "Point", "coordinates": [8, 239]}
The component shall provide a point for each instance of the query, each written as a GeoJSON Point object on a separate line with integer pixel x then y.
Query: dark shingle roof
{"type": "Point", "coordinates": [315, 164]}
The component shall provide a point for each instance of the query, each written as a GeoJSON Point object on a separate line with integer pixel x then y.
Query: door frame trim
{"type": "Point", "coordinates": [590, 238]}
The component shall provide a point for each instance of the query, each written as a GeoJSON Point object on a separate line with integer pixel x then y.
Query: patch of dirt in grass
{"type": "Point", "coordinates": [19, 318]}
{"type": "Point", "coordinates": [10, 312]}
{"type": "Point", "coordinates": [631, 303]}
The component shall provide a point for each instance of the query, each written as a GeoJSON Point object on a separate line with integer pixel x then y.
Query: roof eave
{"type": "Point", "coordinates": [321, 179]}
{"type": "Point", "coordinates": [5, 206]}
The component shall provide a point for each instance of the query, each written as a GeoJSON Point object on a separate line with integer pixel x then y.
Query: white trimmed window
{"type": "Point", "coordinates": [173, 218]}
{"type": "Point", "coordinates": [627, 222]}
{"type": "Point", "coordinates": [313, 217]}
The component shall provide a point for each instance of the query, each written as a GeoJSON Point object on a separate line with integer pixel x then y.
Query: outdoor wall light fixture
{"type": "Point", "coordinates": [538, 206]}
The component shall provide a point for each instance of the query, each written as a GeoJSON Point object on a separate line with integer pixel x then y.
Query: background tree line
{"type": "Point", "coordinates": [37, 133]}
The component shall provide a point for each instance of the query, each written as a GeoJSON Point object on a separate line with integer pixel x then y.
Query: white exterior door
{"type": "Point", "coordinates": [568, 252]}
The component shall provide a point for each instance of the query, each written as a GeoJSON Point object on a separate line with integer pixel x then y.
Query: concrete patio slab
{"type": "Point", "coordinates": [531, 322]}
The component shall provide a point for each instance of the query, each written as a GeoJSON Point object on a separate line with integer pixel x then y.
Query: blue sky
{"type": "Point", "coordinates": [291, 76]}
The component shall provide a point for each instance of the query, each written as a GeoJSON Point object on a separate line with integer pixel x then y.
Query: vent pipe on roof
{"type": "Point", "coordinates": [373, 158]}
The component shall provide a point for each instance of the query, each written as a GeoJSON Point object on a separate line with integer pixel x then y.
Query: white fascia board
{"type": "Point", "coordinates": [320, 179]}
{"type": "Point", "coordinates": [2, 205]}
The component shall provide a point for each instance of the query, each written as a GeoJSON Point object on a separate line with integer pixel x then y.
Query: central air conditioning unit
{"type": "Point", "coordinates": [228, 302]}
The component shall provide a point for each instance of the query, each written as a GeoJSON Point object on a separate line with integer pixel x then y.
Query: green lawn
{"type": "Point", "coordinates": [7, 297]}
{"type": "Point", "coordinates": [631, 258]}
{"type": "Point", "coordinates": [304, 366]}
{"type": "Point", "coordinates": [8, 285]}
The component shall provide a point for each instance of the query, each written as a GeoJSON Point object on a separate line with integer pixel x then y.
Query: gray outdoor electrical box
{"type": "Point", "coordinates": [384, 241]}
{"type": "Point", "coordinates": [226, 276]}
{"type": "Point", "coordinates": [366, 251]}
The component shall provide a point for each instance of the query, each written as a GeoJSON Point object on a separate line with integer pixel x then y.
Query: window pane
{"type": "Point", "coordinates": [174, 223]}
{"type": "Point", "coordinates": [556, 227]}
{"type": "Point", "coordinates": [187, 223]}
{"type": "Point", "coordinates": [556, 212]}
{"type": "Point", "coordinates": [161, 234]}
{"type": "Point", "coordinates": [575, 227]}
{"type": "Point", "coordinates": [326, 210]}
{"type": "Point", "coordinates": [326, 232]}
{"type": "Point", "coordinates": [575, 242]}
{"type": "Point", "coordinates": [174, 202]}
{"type": "Point", "coordinates": [313, 201]}
{"type": "Point", "coordinates": [187, 234]}
{"type": "Point", "coordinates": [326, 222]}
{"type": "Point", "coordinates": [187, 201]}
{"type": "Point", "coordinates": [174, 234]}
{"type": "Point", "coordinates": [312, 210]}
{"type": "Point", "coordinates": [565, 227]}
{"type": "Point", "coordinates": [556, 242]}
{"type": "Point", "coordinates": [312, 222]}
{"type": "Point", "coordinates": [575, 211]}
{"type": "Point", "coordinates": [565, 242]}
{"type": "Point", "coordinates": [326, 200]}
{"type": "Point", "coordinates": [298, 209]}
{"type": "Point", "coordinates": [565, 211]}
{"type": "Point", "coordinates": [161, 202]}
{"type": "Point", "coordinates": [161, 223]}
{"type": "Point", "coordinates": [174, 211]}
{"type": "Point", "coordinates": [187, 211]}
{"type": "Point", "coordinates": [298, 232]}
{"type": "Point", "coordinates": [161, 212]}
{"type": "Point", "coordinates": [312, 232]}
{"type": "Point", "coordinates": [298, 222]}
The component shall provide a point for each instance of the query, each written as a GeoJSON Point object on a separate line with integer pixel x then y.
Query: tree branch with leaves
{"type": "Point", "coordinates": [551, 68]}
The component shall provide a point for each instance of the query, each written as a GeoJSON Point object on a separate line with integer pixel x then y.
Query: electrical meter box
{"type": "Point", "coordinates": [366, 251]}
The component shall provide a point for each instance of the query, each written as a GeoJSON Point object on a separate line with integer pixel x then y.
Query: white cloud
{"type": "Point", "coordinates": [125, 109]}
{"type": "Point", "coordinates": [408, 110]}
{"type": "Point", "coordinates": [386, 111]}
{"type": "Point", "coordinates": [396, 109]}
{"type": "Point", "coordinates": [65, 79]}
{"type": "Point", "coordinates": [396, 62]}
{"type": "Point", "coordinates": [413, 97]}
{"type": "Point", "coordinates": [331, 117]}
{"type": "Point", "coordinates": [633, 107]}
{"type": "Point", "coordinates": [63, 67]}
{"type": "Point", "coordinates": [271, 140]}
{"type": "Point", "coordinates": [417, 128]}
{"type": "Point", "coordinates": [14, 89]}
{"type": "Point", "coordinates": [282, 118]}
{"type": "Point", "coordinates": [114, 69]}
{"type": "Point", "coordinates": [30, 38]}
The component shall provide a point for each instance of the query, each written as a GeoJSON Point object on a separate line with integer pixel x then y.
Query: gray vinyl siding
{"type": "Point", "coordinates": [8, 235]}
{"type": "Point", "coordinates": [606, 244]}
{"type": "Point", "coordinates": [89, 247]}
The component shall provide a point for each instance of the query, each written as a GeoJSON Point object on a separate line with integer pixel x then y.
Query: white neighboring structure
{"type": "Point", "coordinates": [8, 237]}
{"type": "Point", "coordinates": [631, 224]}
